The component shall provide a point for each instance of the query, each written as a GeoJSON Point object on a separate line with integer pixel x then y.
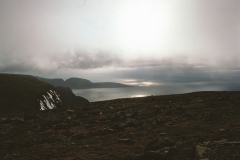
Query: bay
{"type": "Point", "coordinates": [101, 94]}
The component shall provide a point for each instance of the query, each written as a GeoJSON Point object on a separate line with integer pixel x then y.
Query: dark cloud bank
{"type": "Point", "coordinates": [52, 62]}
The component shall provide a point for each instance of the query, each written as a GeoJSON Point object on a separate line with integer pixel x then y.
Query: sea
{"type": "Point", "coordinates": [101, 94]}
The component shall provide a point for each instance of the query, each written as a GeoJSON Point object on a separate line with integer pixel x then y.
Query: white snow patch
{"type": "Point", "coordinates": [49, 100]}
{"type": "Point", "coordinates": [50, 105]}
{"type": "Point", "coordinates": [42, 106]}
{"type": "Point", "coordinates": [57, 96]}
{"type": "Point", "coordinates": [50, 95]}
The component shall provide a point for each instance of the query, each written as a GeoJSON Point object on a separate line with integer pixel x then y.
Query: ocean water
{"type": "Point", "coordinates": [101, 94]}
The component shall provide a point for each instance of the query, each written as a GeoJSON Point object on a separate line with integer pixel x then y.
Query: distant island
{"type": "Point", "coordinates": [80, 83]}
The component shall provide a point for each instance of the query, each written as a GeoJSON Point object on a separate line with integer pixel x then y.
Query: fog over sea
{"type": "Point", "coordinates": [101, 94]}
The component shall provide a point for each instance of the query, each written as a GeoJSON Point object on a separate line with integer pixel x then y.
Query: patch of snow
{"type": "Point", "coordinates": [57, 96]}
{"type": "Point", "coordinates": [50, 95]}
{"type": "Point", "coordinates": [42, 105]}
{"type": "Point", "coordinates": [49, 100]}
{"type": "Point", "coordinates": [50, 105]}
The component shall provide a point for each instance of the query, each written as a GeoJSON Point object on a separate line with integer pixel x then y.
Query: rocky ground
{"type": "Point", "coordinates": [201, 125]}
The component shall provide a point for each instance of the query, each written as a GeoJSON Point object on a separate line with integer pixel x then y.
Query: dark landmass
{"type": "Point", "coordinates": [23, 92]}
{"type": "Point", "coordinates": [27, 93]}
{"type": "Point", "coordinates": [79, 83]}
{"type": "Point", "coordinates": [193, 126]}
{"type": "Point", "coordinates": [69, 98]}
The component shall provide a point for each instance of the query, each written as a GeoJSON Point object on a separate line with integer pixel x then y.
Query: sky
{"type": "Point", "coordinates": [129, 41]}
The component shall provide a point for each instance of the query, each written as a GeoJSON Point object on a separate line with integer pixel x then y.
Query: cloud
{"type": "Point", "coordinates": [13, 62]}
{"type": "Point", "coordinates": [179, 74]}
{"type": "Point", "coordinates": [94, 64]}
{"type": "Point", "coordinates": [185, 42]}
{"type": "Point", "coordinates": [169, 69]}
{"type": "Point", "coordinates": [86, 60]}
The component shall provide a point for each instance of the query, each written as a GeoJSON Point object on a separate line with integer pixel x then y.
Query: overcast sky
{"type": "Point", "coordinates": [121, 40]}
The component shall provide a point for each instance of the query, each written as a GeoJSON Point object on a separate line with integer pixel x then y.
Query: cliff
{"type": "Point", "coordinates": [69, 98]}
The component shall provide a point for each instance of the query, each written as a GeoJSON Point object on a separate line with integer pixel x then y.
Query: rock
{"type": "Point", "coordinates": [158, 149]}
{"type": "Point", "coordinates": [78, 137]}
{"type": "Point", "coordinates": [163, 134]}
{"type": "Point", "coordinates": [127, 157]}
{"type": "Point", "coordinates": [161, 154]}
{"type": "Point", "coordinates": [186, 144]}
{"type": "Point", "coordinates": [127, 140]}
{"type": "Point", "coordinates": [3, 133]}
{"type": "Point", "coordinates": [185, 153]}
{"type": "Point", "coordinates": [59, 126]}
{"type": "Point", "coordinates": [121, 126]}
{"type": "Point", "coordinates": [233, 143]}
{"type": "Point", "coordinates": [6, 121]}
{"type": "Point", "coordinates": [221, 130]}
{"type": "Point", "coordinates": [70, 111]}
{"type": "Point", "coordinates": [200, 150]}
{"type": "Point", "coordinates": [158, 144]}
{"type": "Point", "coordinates": [223, 141]}
{"type": "Point", "coordinates": [151, 156]}
{"type": "Point", "coordinates": [234, 134]}
{"type": "Point", "coordinates": [78, 158]}
{"type": "Point", "coordinates": [30, 117]}
{"type": "Point", "coordinates": [12, 120]}
{"type": "Point", "coordinates": [105, 131]}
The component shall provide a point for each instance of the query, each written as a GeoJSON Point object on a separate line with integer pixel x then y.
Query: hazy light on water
{"type": "Point", "coordinates": [139, 95]}
{"type": "Point", "coordinates": [135, 82]}
{"type": "Point", "coordinates": [100, 94]}
{"type": "Point", "coordinates": [147, 84]}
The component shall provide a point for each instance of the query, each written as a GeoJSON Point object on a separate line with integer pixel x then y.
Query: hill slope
{"type": "Point", "coordinates": [69, 98]}
{"type": "Point", "coordinates": [23, 92]}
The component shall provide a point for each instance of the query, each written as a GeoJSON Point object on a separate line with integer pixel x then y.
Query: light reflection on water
{"type": "Point", "coordinates": [100, 94]}
{"type": "Point", "coordinates": [139, 95]}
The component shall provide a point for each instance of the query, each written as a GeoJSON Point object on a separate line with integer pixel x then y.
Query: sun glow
{"type": "Point", "coordinates": [140, 26]}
